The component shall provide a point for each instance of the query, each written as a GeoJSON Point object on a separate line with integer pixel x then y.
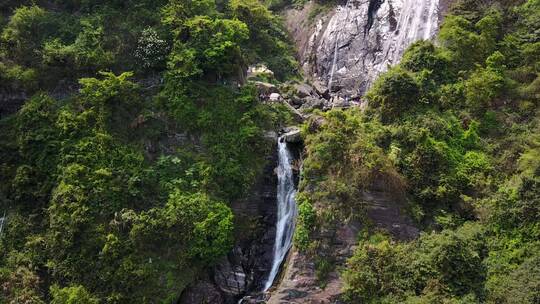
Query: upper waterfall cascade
{"type": "Point", "coordinates": [338, 38]}
{"type": "Point", "coordinates": [286, 210]}
{"type": "Point", "coordinates": [2, 221]}
{"type": "Point", "coordinates": [364, 37]}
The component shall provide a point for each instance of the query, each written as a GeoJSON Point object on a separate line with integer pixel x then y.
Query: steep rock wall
{"type": "Point", "coordinates": [302, 284]}
{"type": "Point", "coordinates": [348, 47]}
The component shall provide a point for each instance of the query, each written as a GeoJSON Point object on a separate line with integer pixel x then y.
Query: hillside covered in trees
{"type": "Point", "coordinates": [453, 133]}
{"type": "Point", "coordinates": [128, 130]}
{"type": "Point", "coordinates": [117, 172]}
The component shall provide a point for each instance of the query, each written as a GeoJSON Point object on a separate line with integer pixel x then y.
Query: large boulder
{"type": "Point", "coordinates": [313, 103]}
{"type": "Point", "coordinates": [303, 90]}
{"type": "Point", "coordinates": [292, 135]}
{"type": "Point", "coordinates": [296, 102]}
{"type": "Point", "coordinates": [265, 88]}
{"type": "Point", "coordinates": [299, 117]}
{"type": "Point", "coordinates": [340, 102]}
{"type": "Point", "coordinates": [259, 71]}
{"type": "Point", "coordinates": [321, 89]}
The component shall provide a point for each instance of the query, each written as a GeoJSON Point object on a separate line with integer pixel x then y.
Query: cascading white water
{"type": "Point", "coordinates": [2, 220]}
{"type": "Point", "coordinates": [416, 22]}
{"type": "Point", "coordinates": [286, 210]}
{"type": "Point", "coordinates": [336, 48]}
{"type": "Point", "coordinates": [362, 39]}
{"type": "Point", "coordinates": [333, 66]}
{"type": "Point", "coordinates": [432, 18]}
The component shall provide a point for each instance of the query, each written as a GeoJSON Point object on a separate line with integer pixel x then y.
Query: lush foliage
{"type": "Point", "coordinates": [137, 134]}
{"type": "Point", "coordinates": [450, 132]}
{"type": "Point", "coordinates": [118, 172]}
{"type": "Point", "coordinates": [444, 266]}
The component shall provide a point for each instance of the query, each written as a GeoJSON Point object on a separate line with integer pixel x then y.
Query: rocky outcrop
{"type": "Point", "coordinates": [386, 213]}
{"type": "Point", "coordinates": [312, 102]}
{"type": "Point", "coordinates": [300, 283]}
{"type": "Point", "coordinates": [292, 135]}
{"type": "Point", "coordinates": [337, 241]}
{"type": "Point", "coordinates": [202, 292]}
{"type": "Point", "coordinates": [303, 90]}
{"type": "Point", "coordinates": [347, 48]}
{"type": "Point", "coordinates": [264, 88]}
{"type": "Point", "coordinates": [259, 71]}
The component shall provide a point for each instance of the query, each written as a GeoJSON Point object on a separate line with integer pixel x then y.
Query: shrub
{"type": "Point", "coordinates": [305, 223]}
{"type": "Point", "coordinates": [394, 93]}
{"type": "Point", "coordinates": [27, 28]}
{"type": "Point", "coordinates": [482, 87]}
{"type": "Point", "coordinates": [72, 295]}
{"type": "Point", "coordinates": [152, 50]}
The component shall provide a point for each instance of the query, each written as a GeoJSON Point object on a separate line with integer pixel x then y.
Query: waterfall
{"type": "Point", "coordinates": [416, 21]}
{"type": "Point", "coordinates": [336, 47]}
{"type": "Point", "coordinates": [286, 210]}
{"type": "Point", "coordinates": [2, 220]}
{"type": "Point", "coordinates": [432, 19]}
{"type": "Point", "coordinates": [362, 39]}
{"type": "Point", "coordinates": [333, 67]}
{"type": "Point", "coordinates": [417, 16]}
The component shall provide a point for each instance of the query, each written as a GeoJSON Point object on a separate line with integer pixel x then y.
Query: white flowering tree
{"type": "Point", "coordinates": [151, 49]}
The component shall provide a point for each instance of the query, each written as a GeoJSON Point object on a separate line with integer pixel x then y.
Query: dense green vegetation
{"type": "Point", "coordinates": [451, 133]}
{"type": "Point", "coordinates": [117, 174]}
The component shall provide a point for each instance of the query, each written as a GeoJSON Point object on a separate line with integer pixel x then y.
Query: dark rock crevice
{"type": "Point", "coordinates": [373, 7]}
{"type": "Point", "coordinates": [11, 101]}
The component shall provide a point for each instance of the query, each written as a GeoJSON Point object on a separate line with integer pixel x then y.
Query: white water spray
{"type": "Point", "coordinates": [333, 66]}
{"type": "Point", "coordinates": [336, 47]}
{"type": "Point", "coordinates": [2, 220]}
{"type": "Point", "coordinates": [432, 19]}
{"type": "Point", "coordinates": [416, 22]}
{"type": "Point", "coordinates": [286, 210]}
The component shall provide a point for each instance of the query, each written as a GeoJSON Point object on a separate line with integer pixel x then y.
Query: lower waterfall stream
{"type": "Point", "coordinates": [286, 210]}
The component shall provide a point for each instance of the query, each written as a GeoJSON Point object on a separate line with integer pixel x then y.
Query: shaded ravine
{"type": "Point", "coordinates": [286, 210]}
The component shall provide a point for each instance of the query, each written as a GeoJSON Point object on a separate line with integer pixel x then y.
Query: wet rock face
{"type": "Point", "coordinates": [246, 267]}
{"type": "Point", "coordinates": [300, 283]}
{"type": "Point", "coordinates": [202, 292]}
{"type": "Point", "coordinates": [292, 135]}
{"type": "Point", "coordinates": [337, 242]}
{"type": "Point", "coordinates": [348, 48]}
{"type": "Point", "coordinates": [11, 101]}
